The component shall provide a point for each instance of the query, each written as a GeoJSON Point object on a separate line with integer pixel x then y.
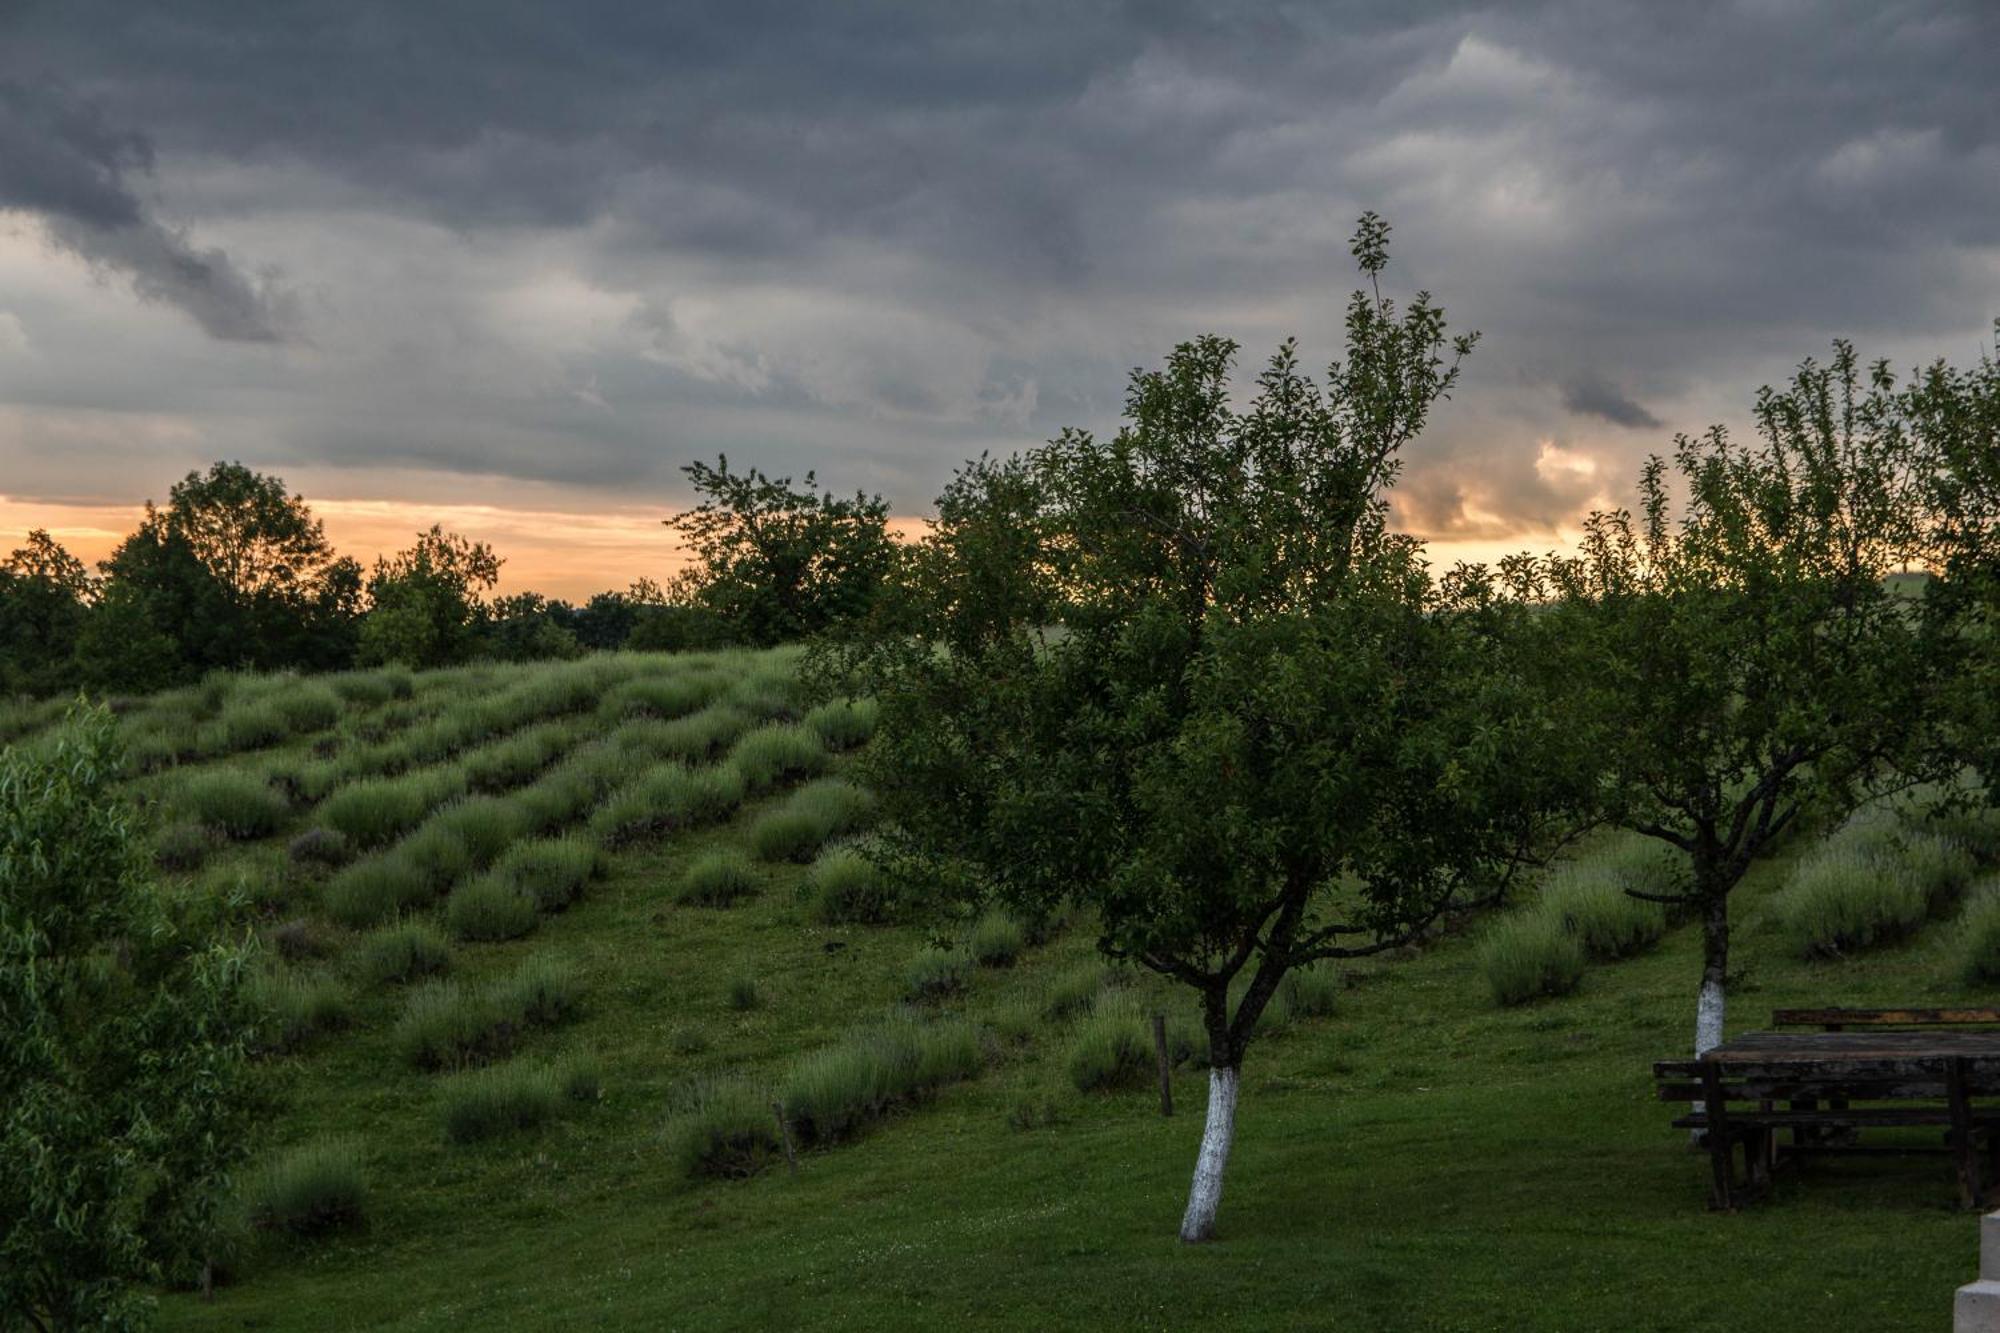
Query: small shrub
{"type": "Point", "coordinates": [844, 724]}
{"type": "Point", "coordinates": [723, 1128]}
{"type": "Point", "coordinates": [483, 1103]}
{"type": "Point", "coordinates": [996, 940]}
{"type": "Point", "coordinates": [367, 689]}
{"type": "Point", "coordinates": [830, 1094]}
{"type": "Point", "coordinates": [234, 804]}
{"type": "Point", "coordinates": [309, 1191]}
{"type": "Point", "coordinates": [772, 755]}
{"type": "Point", "coordinates": [1607, 921]}
{"type": "Point", "coordinates": [662, 697]}
{"type": "Point", "coordinates": [1841, 900]}
{"type": "Point", "coordinates": [844, 885]}
{"type": "Point", "coordinates": [298, 939]}
{"type": "Point", "coordinates": [552, 872]}
{"type": "Point", "coordinates": [671, 797]}
{"type": "Point", "coordinates": [183, 846]}
{"type": "Point", "coordinates": [298, 1007]}
{"type": "Point", "coordinates": [507, 763]}
{"type": "Point", "coordinates": [935, 974]}
{"type": "Point", "coordinates": [1112, 1048]}
{"type": "Point", "coordinates": [743, 993]}
{"type": "Point", "coordinates": [370, 892]}
{"type": "Point", "coordinates": [1310, 992]}
{"type": "Point", "coordinates": [717, 879]}
{"type": "Point", "coordinates": [320, 847]}
{"type": "Point", "coordinates": [403, 953]}
{"type": "Point", "coordinates": [249, 727]}
{"type": "Point", "coordinates": [1979, 935]}
{"type": "Point", "coordinates": [694, 739]}
{"type": "Point", "coordinates": [376, 811]}
{"type": "Point", "coordinates": [542, 993]}
{"type": "Point", "coordinates": [1073, 992]}
{"type": "Point", "coordinates": [304, 706]}
{"type": "Point", "coordinates": [488, 909]}
{"type": "Point", "coordinates": [1529, 954]}
{"type": "Point", "coordinates": [446, 1026]}
{"type": "Point", "coordinates": [816, 812]}
{"type": "Point", "coordinates": [581, 1080]}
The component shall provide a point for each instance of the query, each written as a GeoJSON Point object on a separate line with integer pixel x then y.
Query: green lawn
{"type": "Point", "coordinates": [1418, 1160]}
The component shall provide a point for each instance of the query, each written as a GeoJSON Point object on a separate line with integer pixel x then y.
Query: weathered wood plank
{"type": "Point", "coordinates": [1881, 1017]}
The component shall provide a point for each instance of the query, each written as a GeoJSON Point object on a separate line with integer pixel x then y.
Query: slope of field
{"type": "Point", "coordinates": [1414, 1158]}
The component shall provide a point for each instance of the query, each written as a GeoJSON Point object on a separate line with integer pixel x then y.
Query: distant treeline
{"type": "Point", "coordinates": [235, 572]}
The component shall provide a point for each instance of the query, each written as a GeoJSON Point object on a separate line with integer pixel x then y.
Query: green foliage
{"type": "Point", "coordinates": [1310, 992]}
{"type": "Point", "coordinates": [775, 563]}
{"type": "Point", "coordinates": [667, 798]}
{"type": "Point", "coordinates": [773, 755]}
{"type": "Point", "coordinates": [1073, 992]}
{"type": "Point", "coordinates": [846, 885]}
{"type": "Point", "coordinates": [309, 1191]}
{"type": "Point", "coordinates": [743, 994]}
{"type": "Point", "coordinates": [997, 940]}
{"type": "Point", "coordinates": [702, 736]}
{"type": "Point", "coordinates": [489, 908]}
{"type": "Point", "coordinates": [428, 602]}
{"type": "Point", "coordinates": [1110, 1049]}
{"type": "Point", "coordinates": [542, 992]}
{"type": "Point", "coordinates": [123, 1095]}
{"type": "Point", "coordinates": [936, 974]}
{"type": "Point", "coordinates": [446, 1025]}
{"type": "Point", "coordinates": [667, 697]}
{"type": "Point", "coordinates": [233, 803]}
{"type": "Point", "coordinates": [404, 952]}
{"type": "Point", "coordinates": [320, 847]}
{"type": "Point", "coordinates": [1842, 899]}
{"type": "Point", "coordinates": [1527, 955]}
{"type": "Point", "coordinates": [183, 845]}
{"type": "Point", "coordinates": [717, 879]}
{"type": "Point", "coordinates": [831, 1094]}
{"type": "Point", "coordinates": [506, 764]}
{"type": "Point", "coordinates": [845, 723]}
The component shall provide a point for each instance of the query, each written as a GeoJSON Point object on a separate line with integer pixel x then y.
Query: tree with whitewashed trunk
{"type": "Point", "coordinates": [1187, 679]}
{"type": "Point", "coordinates": [1748, 664]}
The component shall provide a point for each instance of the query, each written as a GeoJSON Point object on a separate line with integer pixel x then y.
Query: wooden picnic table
{"type": "Point", "coordinates": [1825, 1087]}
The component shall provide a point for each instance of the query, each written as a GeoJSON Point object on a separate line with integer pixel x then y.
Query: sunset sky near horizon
{"type": "Point", "coordinates": [509, 266]}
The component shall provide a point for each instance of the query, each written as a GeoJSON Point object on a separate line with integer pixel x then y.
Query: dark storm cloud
{"type": "Point", "coordinates": [1592, 397]}
{"type": "Point", "coordinates": [902, 232]}
{"type": "Point", "coordinates": [62, 159]}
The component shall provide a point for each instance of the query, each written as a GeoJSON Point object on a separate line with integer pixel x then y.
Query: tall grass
{"type": "Point", "coordinates": [844, 885]}
{"type": "Point", "coordinates": [297, 1006]}
{"type": "Point", "coordinates": [1875, 881]}
{"type": "Point", "coordinates": [936, 974]}
{"type": "Point", "coordinates": [722, 1127]}
{"type": "Point", "coordinates": [402, 953]}
{"type": "Point", "coordinates": [1529, 954]}
{"type": "Point", "coordinates": [1979, 935]}
{"type": "Point", "coordinates": [370, 892]}
{"type": "Point", "coordinates": [309, 1190]}
{"type": "Point", "coordinates": [996, 940]}
{"type": "Point", "coordinates": [831, 1094]}
{"type": "Point", "coordinates": [1592, 904]}
{"type": "Point", "coordinates": [844, 723]}
{"type": "Point", "coordinates": [1112, 1048]}
{"type": "Point", "coordinates": [550, 872]}
{"type": "Point", "coordinates": [671, 797]}
{"type": "Point", "coordinates": [377, 811]}
{"type": "Point", "coordinates": [488, 909]}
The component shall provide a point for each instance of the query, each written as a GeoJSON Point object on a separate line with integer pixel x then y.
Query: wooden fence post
{"type": "Point", "coordinates": [785, 1137]}
{"type": "Point", "coordinates": [1166, 1066]}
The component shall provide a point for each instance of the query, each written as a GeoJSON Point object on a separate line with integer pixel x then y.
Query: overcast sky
{"type": "Point", "coordinates": [511, 265]}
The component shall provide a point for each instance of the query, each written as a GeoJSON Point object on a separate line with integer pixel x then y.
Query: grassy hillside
{"type": "Point", "coordinates": [1410, 1154]}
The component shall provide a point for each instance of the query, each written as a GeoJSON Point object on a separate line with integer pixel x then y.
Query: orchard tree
{"type": "Point", "coordinates": [428, 603]}
{"type": "Point", "coordinates": [123, 1093]}
{"type": "Point", "coordinates": [1745, 664]}
{"type": "Point", "coordinates": [778, 563]}
{"type": "Point", "coordinates": [1186, 679]}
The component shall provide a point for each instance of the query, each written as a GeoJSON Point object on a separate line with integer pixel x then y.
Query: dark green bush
{"type": "Point", "coordinates": [717, 879]}
{"type": "Point", "coordinates": [309, 1191]}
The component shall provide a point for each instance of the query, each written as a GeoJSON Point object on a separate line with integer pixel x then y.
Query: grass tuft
{"type": "Point", "coordinates": [1528, 954]}
{"type": "Point", "coordinates": [234, 803]}
{"type": "Point", "coordinates": [402, 953]}
{"type": "Point", "coordinates": [309, 1191]}
{"type": "Point", "coordinates": [717, 879]}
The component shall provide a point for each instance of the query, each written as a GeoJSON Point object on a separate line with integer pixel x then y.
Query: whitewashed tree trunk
{"type": "Point", "coordinates": [1708, 1010]}
{"type": "Point", "coordinates": [1205, 1194]}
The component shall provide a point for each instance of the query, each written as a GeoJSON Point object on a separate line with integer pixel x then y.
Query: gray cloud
{"type": "Point", "coordinates": [1592, 397]}
{"type": "Point", "coordinates": [62, 159]}
{"type": "Point", "coordinates": [578, 244]}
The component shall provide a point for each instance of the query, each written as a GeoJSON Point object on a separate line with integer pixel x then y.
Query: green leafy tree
{"type": "Point", "coordinates": [428, 603]}
{"type": "Point", "coordinates": [45, 594]}
{"type": "Point", "coordinates": [778, 563]}
{"type": "Point", "coordinates": [123, 1092]}
{"type": "Point", "coordinates": [236, 571]}
{"type": "Point", "coordinates": [1954, 415]}
{"type": "Point", "coordinates": [1745, 664]}
{"type": "Point", "coordinates": [526, 628]}
{"type": "Point", "coordinates": [1187, 678]}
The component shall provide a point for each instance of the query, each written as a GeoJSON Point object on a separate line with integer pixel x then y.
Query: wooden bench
{"type": "Point", "coordinates": [1821, 1089]}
